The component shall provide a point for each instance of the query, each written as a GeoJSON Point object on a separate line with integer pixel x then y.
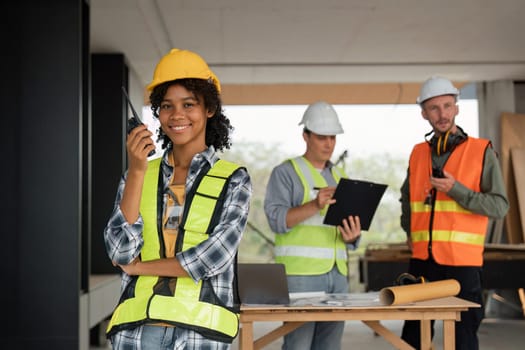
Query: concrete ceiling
{"type": "Point", "coordinates": [313, 41]}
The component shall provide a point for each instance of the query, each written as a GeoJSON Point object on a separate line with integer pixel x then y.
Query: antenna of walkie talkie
{"type": "Point", "coordinates": [134, 121]}
{"type": "Point", "coordinates": [130, 105]}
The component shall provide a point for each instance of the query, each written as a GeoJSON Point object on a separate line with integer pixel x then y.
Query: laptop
{"type": "Point", "coordinates": [262, 283]}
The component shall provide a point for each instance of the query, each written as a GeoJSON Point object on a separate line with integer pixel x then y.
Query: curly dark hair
{"type": "Point", "coordinates": [218, 127]}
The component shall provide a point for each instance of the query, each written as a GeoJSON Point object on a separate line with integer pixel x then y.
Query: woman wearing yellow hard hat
{"type": "Point", "coordinates": [178, 219]}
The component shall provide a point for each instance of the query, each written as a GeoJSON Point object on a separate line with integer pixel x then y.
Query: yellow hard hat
{"type": "Point", "coordinates": [181, 64]}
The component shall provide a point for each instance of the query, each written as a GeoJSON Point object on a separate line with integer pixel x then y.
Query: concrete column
{"type": "Point", "coordinates": [494, 98]}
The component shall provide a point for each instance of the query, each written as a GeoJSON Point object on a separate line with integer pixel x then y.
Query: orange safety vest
{"type": "Point", "coordinates": [454, 235]}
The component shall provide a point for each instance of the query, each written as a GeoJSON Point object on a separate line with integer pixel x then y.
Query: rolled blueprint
{"type": "Point", "coordinates": [418, 292]}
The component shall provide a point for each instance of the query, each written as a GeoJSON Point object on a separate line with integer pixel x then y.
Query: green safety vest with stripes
{"type": "Point", "coordinates": [148, 299]}
{"type": "Point", "coordinates": [311, 247]}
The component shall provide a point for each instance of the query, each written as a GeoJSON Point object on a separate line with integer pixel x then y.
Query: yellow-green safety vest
{"type": "Point", "coordinates": [148, 304]}
{"type": "Point", "coordinates": [311, 247]}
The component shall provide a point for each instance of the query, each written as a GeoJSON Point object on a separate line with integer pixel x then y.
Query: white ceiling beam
{"type": "Point", "coordinates": [156, 25]}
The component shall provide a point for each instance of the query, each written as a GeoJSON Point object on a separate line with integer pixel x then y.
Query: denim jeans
{"type": "Point", "coordinates": [317, 335]}
{"type": "Point", "coordinates": [157, 338]}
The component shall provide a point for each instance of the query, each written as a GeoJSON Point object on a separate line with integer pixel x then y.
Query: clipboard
{"type": "Point", "coordinates": [356, 198]}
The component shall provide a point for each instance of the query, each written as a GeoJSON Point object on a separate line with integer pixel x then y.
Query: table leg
{"type": "Point", "coordinates": [449, 335]}
{"type": "Point", "coordinates": [388, 335]}
{"type": "Point", "coordinates": [246, 336]}
{"type": "Point", "coordinates": [521, 293]}
{"type": "Point", "coordinates": [277, 333]}
{"type": "Point", "coordinates": [426, 335]}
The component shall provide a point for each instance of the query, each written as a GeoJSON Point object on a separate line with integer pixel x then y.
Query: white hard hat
{"type": "Point", "coordinates": [436, 86]}
{"type": "Point", "coordinates": [321, 118]}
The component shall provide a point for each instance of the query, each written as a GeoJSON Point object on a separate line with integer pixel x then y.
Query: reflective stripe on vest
{"type": "Point", "coordinates": [183, 308]}
{"type": "Point", "coordinates": [311, 247]}
{"type": "Point", "coordinates": [458, 235]}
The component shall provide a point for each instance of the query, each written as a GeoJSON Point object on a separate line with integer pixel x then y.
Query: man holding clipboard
{"type": "Point", "coordinates": [298, 194]}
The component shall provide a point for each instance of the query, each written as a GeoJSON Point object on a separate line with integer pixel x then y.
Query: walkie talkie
{"type": "Point", "coordinates": [134, 121]}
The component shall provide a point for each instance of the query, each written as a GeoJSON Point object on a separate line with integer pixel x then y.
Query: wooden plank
{"type": "Point", "coordinates": [388, 335]}
{"type": "Point", "coordinates": [521, 294]}
{"type": "Point", "coordinates": [426, 335]}
{"type": "Point", "coordinates": [293, 94]}
{"type": "Point", "coordinates": [512, 131]}
{"type": "Point", "coordinates": [246, 336]}
{"type": "Point", "coordinates": [449, 335]}
{"type": "Point", "coordinates": [517, 157]}
{"type": "Point", "coordinates": [296, 312]}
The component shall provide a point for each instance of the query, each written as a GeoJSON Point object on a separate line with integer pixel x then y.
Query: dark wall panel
{"type": "Point", "coordinates": [43, 218]}
{"type": "Point", "coordinates": [10, 174]}
{"type": "Point", "coordinates": [109, 113]}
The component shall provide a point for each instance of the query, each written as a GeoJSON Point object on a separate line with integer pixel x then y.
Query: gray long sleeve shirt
{"type": "Point", "coordinates": [285, 191]}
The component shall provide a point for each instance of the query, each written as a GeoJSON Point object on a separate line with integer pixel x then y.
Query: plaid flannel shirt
{"type": "Point", "coordinates": [212, 259]}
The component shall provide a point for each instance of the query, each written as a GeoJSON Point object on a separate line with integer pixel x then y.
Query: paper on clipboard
{"type": "Point", "coordinates": [356, 198]}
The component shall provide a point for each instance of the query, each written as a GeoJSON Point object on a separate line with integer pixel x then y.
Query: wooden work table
{"type": "Point", "coordinates": [446, 309]}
